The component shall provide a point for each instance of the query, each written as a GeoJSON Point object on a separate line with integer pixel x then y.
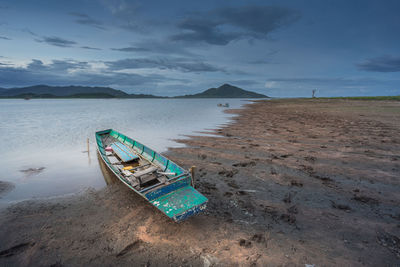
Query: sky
{"type": "Point", "coordinates": [278, 48]}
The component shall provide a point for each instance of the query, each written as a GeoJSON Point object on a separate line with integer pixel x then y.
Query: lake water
{"type": "Point", "coordinates": [52, 133]}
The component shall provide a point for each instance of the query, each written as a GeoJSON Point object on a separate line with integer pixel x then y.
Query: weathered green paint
{"type": "Point", "coordinates": [177, 199]}
{"type": "Point", "coordinates": [178, 202]}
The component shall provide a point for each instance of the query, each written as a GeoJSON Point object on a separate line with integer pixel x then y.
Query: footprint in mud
{"type": "Point", "coordinates": [271, 211]}
{"type": "Point", "coordinates": [310, 159]}
{"type": "Point", "coordinates": [228, 173]}
{"type": "Point", "coordinates": [233, 184]}
{"type": "Point", "coordinates": [132, 246]}
{"type": "Point", "coordinates": [308, 169]}
{"type": "Point", "coordinates": [259, 238]}
{"type": "Point", "coordinates": [289, 218]}
{"type": "Point", "coordinates": [245, 243]}
{"type": "Point", "coordinates": [296, 183]}
{"type": "Point", "coordinates": [16, 249]}
{"type": "Point", "coordinates": [228, 194]}
{"type": "Point", "coordinates": [208, 186]}
{"type": "Point", "coordinates": [340, 206]}
{"type": "Point", "coordinates": [323, 178]}
{"type": "Point", "coordinates": [202, 156]}
{"type": "Point", "coordinates": [366, 199]}
{"type": "Point", "coordinates": [293, 210]}
{"type": "Point", "coordinates": [244, 164]}
{"type": "Point", "coordinates": [288, 198]}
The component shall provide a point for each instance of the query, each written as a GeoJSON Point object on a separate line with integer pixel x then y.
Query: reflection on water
{"type": "Point", "coordinates": [108, 175]}
{"type": "Point", "coordinates": [48, 137]}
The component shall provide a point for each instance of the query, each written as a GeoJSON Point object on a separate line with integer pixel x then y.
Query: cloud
{"type": "Point", "coordinates": [260, 62]}
{"type": "Point", "coordinates": [154, 46]}
{"type": "Point", "coordinates": [381, 64]}
{"type": "Point", "coordinates": [200, 29]}
{"type": "Point", "coordinates": [131, 49]}
{"type": "Point", "coordinates": [180, 64]}
{"type": "Point", "coordinates": [85, 19]}
{"type": "Point", "coordinates": [221, 26]}
{"type": "Point", "coordinates": [56, 41]}
{"type": "Point", "coordinates": [90, 48]}
{"type": "Point", "coordinates": [65, 72]}
{"type": "Point", "coordinates": [126, 12]}
{"type": "Point", "coordinates": [4, 38]}
{"type": "Point", "coordinates": [243, 82]}
{"type": "Point", "coordinates": [57, 66]}
{"type": "Point", "coordinates": [270, 84]}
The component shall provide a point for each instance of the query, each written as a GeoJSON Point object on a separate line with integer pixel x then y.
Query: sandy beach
{"type": "Point", "coordinates": [290, 182]}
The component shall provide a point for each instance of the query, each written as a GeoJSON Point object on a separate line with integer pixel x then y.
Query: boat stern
{"type": "Point", "coordinates": [181, 204]}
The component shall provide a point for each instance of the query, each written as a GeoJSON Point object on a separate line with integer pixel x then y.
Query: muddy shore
{"type": "Point", "coordinates": [289, 182]}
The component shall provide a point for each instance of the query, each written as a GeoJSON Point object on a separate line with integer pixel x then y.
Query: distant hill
{"type": "Point", "coordinates": [225, 91]}
{"type": "Point", "coordinates": [45, 91]}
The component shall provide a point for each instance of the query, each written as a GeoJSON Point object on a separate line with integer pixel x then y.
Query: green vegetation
{"type": "Point", "coordinates": [394, 98]}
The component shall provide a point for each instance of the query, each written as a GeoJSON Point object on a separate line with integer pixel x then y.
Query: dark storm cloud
{"type": "Point", "coordinates": [90, 48]}
{"type": "Point", "coordinates": [381, 64]}
{"type": "Point", "coordinates": [181, 64]}
{"type": "Point", "coordinates": [221, 26]}
{"type": "Point", "coordinates": [260, 62]}
{"type": "Point", "coordinates": [155, 46]}
{"type": "Point", "coordinates": [131, 49]}
{"type": "Point", "coordinates": [56, 41]}
{"type": "Point", "coordinates": [85, 19]}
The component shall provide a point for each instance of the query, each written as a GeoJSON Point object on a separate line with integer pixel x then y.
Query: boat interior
{"type": "Point", "coordinates": [141, 173]}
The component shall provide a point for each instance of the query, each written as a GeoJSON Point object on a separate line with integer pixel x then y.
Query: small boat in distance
{"type": "Point", "coordinates": [226, 105]}
{"type": "Point", "coordinates": [160, 181]}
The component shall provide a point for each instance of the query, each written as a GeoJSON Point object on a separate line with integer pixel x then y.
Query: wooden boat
{"type": "Point", "coordinates": [160, 181]}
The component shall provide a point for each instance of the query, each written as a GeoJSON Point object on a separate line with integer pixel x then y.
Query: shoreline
{"type": "Point", "coordinates": [289, 182]}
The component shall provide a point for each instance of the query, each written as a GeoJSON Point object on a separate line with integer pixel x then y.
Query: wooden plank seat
{"type": "Point", "coordinates": [123, 152]}
{"type": "Point", "coordinates": [149, 170]}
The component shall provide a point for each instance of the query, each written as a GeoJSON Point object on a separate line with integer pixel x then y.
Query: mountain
{"type": "Point", "coordinates": [225, 91]}
{"type": "Point", "coordinates": [45, 91]}
{"type": "Point", "coordinates": [61, 91]}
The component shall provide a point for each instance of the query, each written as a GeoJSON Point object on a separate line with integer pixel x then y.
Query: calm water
{"type": "Point", "coordinates": [52, 134]}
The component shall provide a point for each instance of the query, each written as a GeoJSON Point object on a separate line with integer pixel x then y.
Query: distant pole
{"type": "Point", "coordinates": [192, 174]}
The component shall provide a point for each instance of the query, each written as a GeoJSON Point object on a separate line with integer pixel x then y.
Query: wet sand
{"type": "Point", "coordinates": [289, 182]}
